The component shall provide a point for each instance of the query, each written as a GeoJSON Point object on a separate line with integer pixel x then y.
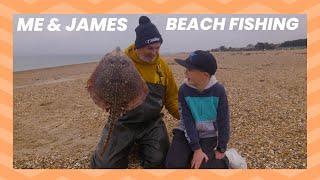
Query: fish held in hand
{"type": "Point", "coordinates": [117, 87]}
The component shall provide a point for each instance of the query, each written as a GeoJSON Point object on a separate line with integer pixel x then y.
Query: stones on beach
{"type": "Point", "coordinates": [265, 116]}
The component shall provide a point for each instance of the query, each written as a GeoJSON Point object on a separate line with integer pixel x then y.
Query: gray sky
{"type": "Point", "coordinates": [64, 42]}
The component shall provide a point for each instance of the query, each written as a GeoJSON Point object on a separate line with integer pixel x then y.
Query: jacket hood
{"type": "Point", "coordinates": [213, 80]}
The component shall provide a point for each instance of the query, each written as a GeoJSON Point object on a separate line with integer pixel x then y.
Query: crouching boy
{"type": "Point", "coordinates": [200, 140]}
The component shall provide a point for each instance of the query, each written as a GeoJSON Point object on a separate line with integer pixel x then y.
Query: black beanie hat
{"type": "Point", "coordinates": [146, 33]}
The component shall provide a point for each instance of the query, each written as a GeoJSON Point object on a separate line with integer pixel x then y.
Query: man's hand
{"type": "Point", "coordinates": [198, 157]}
{"type": "Point", "coordinates": [219, 155]}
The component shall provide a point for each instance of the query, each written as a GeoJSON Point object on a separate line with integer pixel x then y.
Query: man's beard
{"type": "Point", "coordinates": [148, 58]}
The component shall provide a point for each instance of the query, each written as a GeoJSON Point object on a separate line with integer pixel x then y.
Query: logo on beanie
{"type": "Point", "coordinates": [150, 41]}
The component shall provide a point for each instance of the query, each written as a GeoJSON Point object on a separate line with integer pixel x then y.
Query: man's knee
{"type": "Point", "coordinates": [116, 153]}
{"type": "Point", "coordinates": [156, 160]}
{"type": "Point", "coordinates": [98, 162]}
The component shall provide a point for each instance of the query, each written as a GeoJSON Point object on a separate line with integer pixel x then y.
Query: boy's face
{"type": "Point", "coordinates": [149, 52]}
{"type": "Point", "coordinates": [196, 77]}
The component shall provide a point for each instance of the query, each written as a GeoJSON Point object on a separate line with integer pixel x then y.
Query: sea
{"type": "Point", "coordinates": [30, 62]}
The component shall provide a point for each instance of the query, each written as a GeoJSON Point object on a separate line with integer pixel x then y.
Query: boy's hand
{"type": "Point", "coordinates": [219, 155]}
{"type": "Point", "coordinates": [198, 157]}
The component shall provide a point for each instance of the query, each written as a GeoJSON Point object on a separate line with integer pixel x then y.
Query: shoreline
{"type": "Point", "coordinates": [167, 55]}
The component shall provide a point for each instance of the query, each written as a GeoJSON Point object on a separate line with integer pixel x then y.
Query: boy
{"type": "Point", "coordinates": [203, 133]}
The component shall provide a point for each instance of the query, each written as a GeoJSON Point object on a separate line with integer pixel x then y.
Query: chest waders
{"type": "Point", "coordinates": [144, 126]}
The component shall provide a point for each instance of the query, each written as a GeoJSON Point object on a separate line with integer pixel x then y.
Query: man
{"type": "Point", "coordinates": [143, 125]}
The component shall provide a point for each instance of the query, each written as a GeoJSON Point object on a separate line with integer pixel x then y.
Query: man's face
{"type": "Point", "coordinates": [149, 52]}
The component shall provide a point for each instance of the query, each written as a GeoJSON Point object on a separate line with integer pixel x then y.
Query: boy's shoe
{"type": "Point", "coordinates": [235, 159]}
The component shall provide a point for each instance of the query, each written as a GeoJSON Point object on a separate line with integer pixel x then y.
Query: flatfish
{"type": "Point", "coordinates": [117, 87]}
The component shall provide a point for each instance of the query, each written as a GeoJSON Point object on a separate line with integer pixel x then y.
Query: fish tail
{"type": "Point", "coordinates": [106, 143]}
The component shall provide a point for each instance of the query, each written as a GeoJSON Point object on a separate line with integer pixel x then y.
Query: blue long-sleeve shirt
{"type": "Point", "coordinates": [204, 114]}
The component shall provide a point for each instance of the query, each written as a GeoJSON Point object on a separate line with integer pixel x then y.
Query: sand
{"type": "Point", "coordinates": [57, 125]}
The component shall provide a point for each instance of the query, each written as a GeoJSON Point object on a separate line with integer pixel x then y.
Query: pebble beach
{"type": "Point", "coordinates": [57, 125]}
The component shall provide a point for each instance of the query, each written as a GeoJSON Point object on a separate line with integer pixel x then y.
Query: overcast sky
{"type": "Point", "coordinates": [33, 43]}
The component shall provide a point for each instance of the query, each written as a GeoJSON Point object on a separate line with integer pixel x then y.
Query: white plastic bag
{"type": "Point", "coordinates": [235, 159]}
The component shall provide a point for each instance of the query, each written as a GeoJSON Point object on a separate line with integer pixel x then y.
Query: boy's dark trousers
{"type": "Point", "coordinates": [180, 154]}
